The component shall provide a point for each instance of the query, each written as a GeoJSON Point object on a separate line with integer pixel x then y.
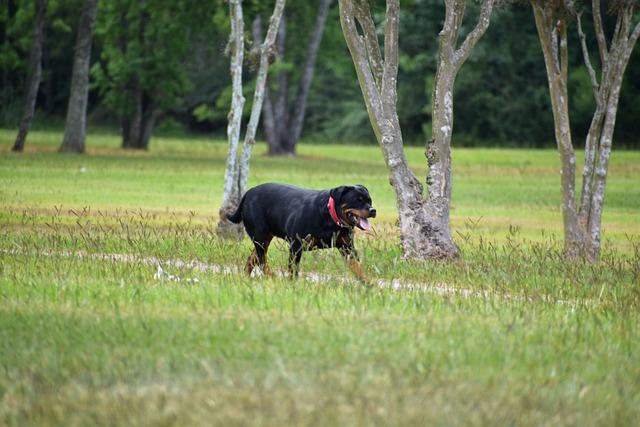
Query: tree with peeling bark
{"type": "Point", "coordinates": [424, 220]}
{"type": "Point", "coordinates": [582, 220]}
{"type": "Point", "coordinates": [35, 74]}
{"type": "Point", "coordinates": [282, 122]}
{"type": "Point", "coordinates": [74, 131]}
{"type": "Point", "coordinates": [237, 166]}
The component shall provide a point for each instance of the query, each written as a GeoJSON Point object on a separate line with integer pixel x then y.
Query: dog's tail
{"type": "Point", "coordinates": [236, 217]}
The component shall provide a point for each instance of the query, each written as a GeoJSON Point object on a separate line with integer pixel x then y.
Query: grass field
{"type": "Point", "coordinates": [510, 334]}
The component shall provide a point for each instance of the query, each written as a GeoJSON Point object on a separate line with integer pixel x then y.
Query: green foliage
{"type": "Point", "coordinates": [501, 93]}
{"type": "Point", "coordinates": [335, 109]}
{"type": "Point", "coordinates": [145, 44]}
{"type": "Point", "coordinates": [629, 110]}
{"type": "Point", "coordinates": [16, 34]}
{"type": "Point", "coordinates": [582, 99]}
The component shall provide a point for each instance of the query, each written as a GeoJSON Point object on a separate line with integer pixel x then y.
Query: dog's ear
{"type": "Point", "coordinates": [366, 190]}
{"type": "Point", "coordinates": [338, 192]}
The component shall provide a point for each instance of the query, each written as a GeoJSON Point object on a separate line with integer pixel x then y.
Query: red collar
{"type": "Point", "coordinates": [331, 205]}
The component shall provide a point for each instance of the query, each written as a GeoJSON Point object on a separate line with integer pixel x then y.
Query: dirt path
{"type": "Point", "coordinates": [163, 265]}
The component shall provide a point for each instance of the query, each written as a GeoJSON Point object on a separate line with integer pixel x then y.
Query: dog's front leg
{"type": "Point", "coordinates": [350, 256]}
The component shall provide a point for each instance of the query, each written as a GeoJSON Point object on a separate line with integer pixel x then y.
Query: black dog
{"type": "Point", "coordinates": [307, 219]}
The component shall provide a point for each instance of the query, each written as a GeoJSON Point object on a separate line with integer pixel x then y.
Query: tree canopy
{"type": "Point", "coordinates": [173, 53]}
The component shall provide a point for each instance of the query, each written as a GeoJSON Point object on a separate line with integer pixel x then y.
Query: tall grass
{"type": "Point", "coordinates": [92, 334]}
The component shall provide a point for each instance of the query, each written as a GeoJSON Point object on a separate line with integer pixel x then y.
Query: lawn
{"type": "Point", "coordinates": [91, 334]}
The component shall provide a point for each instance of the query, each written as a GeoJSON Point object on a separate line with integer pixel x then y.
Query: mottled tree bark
{"type": "Point", "coordinates": [236, 50]}
{"type": "Point", "coordinates": [267, 51]}
{"type": "Point", "coordinates": [424, 222]}
{"type": "Point", "coordinates": [552, 31]}
{"type": "Point", "coordinates": [268, 120]}
{"type": "Point", "coordinates": [450, 60]}
{"type": "Point", "coordinates": [582, 221]}
{"type": "Point", "coordinates": [74, 131]}
{"type": "Point", "coordinates": [237, 171]}
{"type": "Point", "coordinates": [35, 74]}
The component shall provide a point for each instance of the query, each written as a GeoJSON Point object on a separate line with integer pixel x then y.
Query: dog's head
{"type": "Point", "coordinates": [353, 205]}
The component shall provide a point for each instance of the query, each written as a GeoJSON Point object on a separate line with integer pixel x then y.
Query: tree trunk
{"type": "Point", "coordinates": [134, 123]}
{"type": "Point", "coordinates": [143, 118]}
{"type": "Point", "coordinates": [299, 108]}
{"type": "Point", "coordinates": [438, 153]}
{"type": "Point", "coordinates": [74, 132]}
{"type": "Point", "coordinates": [268, 113]}
{"type": "Point", "coordinates": [276, 104]}
{"type": "Point", "coordinates": [614, 61]}
{"type": "Point", "coordinates": [35, 73]}
{"type": "Point", "coordinates": [269, 124]}
{"type": "Point", "coordinates": [266, 51]}
{"type": "Point", "coordinates": [281, 105]}
{"type": "Point", "coordinates": [237, 171]}
{"type": "Point", "coordinates": [552, 31]}
{"type": "Point", "coordinates": [424, 222]}
{"type": "Point", "coordinates": [438, 150]}
{"type": "Point", "coordinates": [125, 129]}
{"type": "Point", "coordinates": [582, 225]}
{"type": "Point", "coordinates": [149, 120]}
{"type": "Point", "coordinates": [4, 26]}
{"type": "Point", "coordinates": [230, 198]}
{"type": "Point", "coordinates": [136, 132]}
{"type": "Point", "coordinates": [283, 123]}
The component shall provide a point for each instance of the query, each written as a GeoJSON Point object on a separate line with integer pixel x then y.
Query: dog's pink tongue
{"type": "Point", "coordinates": [364, 224]}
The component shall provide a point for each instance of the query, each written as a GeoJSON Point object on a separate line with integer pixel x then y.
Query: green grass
{"type": "Point", "coordinates": [509, 335]}
{"type": "Point", "coordinates": [495, 187]}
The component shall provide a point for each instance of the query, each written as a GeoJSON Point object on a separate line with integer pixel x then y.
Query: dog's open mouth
{"type": "Point", "coordinates": [360, 222]}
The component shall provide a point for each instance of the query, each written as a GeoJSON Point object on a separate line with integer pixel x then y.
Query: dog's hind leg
{"type": "Point", "coordinates": [261, 239]}
{"type": "Point", "coordinates": [251, 262]}
{"type": "Point", "coordinates": [261, 248]}
{"type": "Point", "coordinates": [295, 253]}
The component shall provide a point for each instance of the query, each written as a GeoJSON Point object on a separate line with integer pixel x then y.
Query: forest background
{"type": "Point", "coordinates": [177, 49]}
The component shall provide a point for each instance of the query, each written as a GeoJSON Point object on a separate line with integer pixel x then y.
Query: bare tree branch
{"type": "Point", "coordinates": [297, 116]}
{"type": "Point", "coordinates": [633, 39]}
{"type": "Point", "coordinates": [268, 115]}
{"type": "Point", "coordinates": [356, 45]}
{"type": "Point", "coordinates": [363, 15]}
{"type": "Point", "coordinates": [281, 95]}
{"type": "Point", "coordinates": [616, 34]}
{"type": "Point", "coordinates": [587, 61]}
{"type": "Point", "coordinates": [448, 34]}
{"type": "Point", "coordinates": [390, 73]}
{"type": "Point", "coordinates": [258, 97]}
{"type": "Point", "coordinates": [599, 29]}
{"type": "Point", "coordinates": [547, 35]}
{"type": "Point", "coordinates": [472, 38]}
